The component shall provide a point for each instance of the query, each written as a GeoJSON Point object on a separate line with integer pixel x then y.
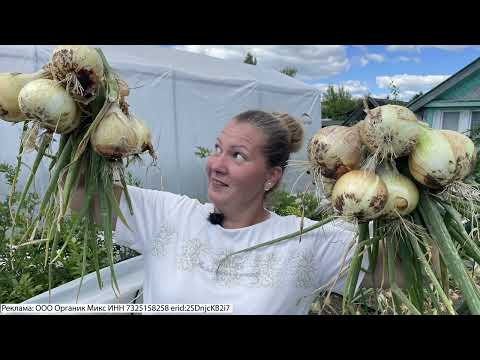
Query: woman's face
{"type": "Point", "coordinates": [237, 169]}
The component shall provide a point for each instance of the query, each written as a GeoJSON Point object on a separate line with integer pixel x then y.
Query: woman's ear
{"type": "Point", "coordinates": [274, 176]}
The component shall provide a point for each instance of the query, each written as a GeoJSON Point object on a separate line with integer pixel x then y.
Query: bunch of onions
{"type": "Point", "coordinates": [403, 194]}
{"type": "Point", "coordinates": [10, 86]}
{"type": "Point", "coordinates": [360, 194]}
{"type": "Point", "coordinates": [95, 138]}
{"type": "Point", "coordinates": [335, 150]}
{"type": "Point", "coordinates": [389, 131]}
{"type": "Point", "coordinates": [47, 102]}
{"type": "Point", "coordinates": [79, 68]}
{"type": "Point", "coordinates": [405, 219]}
{"type": "Point", "coordinates": [441, 157]}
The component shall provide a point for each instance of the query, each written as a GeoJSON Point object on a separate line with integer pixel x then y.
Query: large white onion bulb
{"type": "Point", "coordinates": [441, 157]}
{"type": "Point", "coordinates": [390, 131]}
{"type": "Point", "coordinates": [335, 150]}
{"type": "Point", "coordinates": [79, 68]}
{"type": "Point", "coordinates": [49, 103]}
{"type": "Point", "coordinates": [115, 136]}
{"type": "Point", "coordinates": [360, 194]}
{"type": "Point", "coordinates": [403, 194]}
{"type": "Point", "coordinates": [10, 86]}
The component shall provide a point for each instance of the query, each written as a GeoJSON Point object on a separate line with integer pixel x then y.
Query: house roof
{"type": "Point", "coordinates": [453, 80]}
{"type": "Point", "coordinates": [372, 103]}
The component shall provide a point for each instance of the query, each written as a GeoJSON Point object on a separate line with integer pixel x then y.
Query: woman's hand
{"type": "Point", "coordinates": [78, 197]}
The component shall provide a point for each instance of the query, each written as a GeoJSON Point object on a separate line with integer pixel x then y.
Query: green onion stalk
{"type": "Point", "coordinates": [77, 161]}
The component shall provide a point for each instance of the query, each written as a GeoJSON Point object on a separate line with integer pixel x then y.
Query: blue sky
{"type": "Point", "coordinates": [361, 69]}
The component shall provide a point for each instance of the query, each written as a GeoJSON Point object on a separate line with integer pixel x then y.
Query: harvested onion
{"type": "Point", "coordinates": [79, 68]}
{"type": "Point", "coordinates": [49, 103]}
{"type": "Point", "coordinates": [335, 150]}
{"type": "Point", "coordinates": [441, 157]}
{"type": "Point", "coordinates": [464, 151]}
{"type": "Point", "coordinates": [360, 194]}
{"type": "Point", "coordinates": [390, 131]}
{"type": "Point", "coordinates": [10, 86]}
{"type": "Point", "coordinates": [115, 136]}
{"type": "Point", "coordinates": [403, 194]}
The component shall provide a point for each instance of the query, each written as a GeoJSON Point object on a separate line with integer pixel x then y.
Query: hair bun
{"type": "Point", "coordinates": [295, 130]}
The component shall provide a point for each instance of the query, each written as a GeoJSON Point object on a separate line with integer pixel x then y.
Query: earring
{"type": "Point", "coordinates": [268, 186]}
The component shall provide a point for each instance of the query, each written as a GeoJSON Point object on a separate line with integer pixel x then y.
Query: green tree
{"type": "Point", "coordinates": [250, 59]}
{"type": "Point", "coordinates": [289, 71]}
{"type": "Point", "coordinates": [337, 104]}
{"type": "Point", "coordinates": [416, 96]}
{"type": "Point", "coordinates": [394, 92]}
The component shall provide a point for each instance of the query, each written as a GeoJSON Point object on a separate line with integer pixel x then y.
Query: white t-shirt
{"type": "Point", "coordinates": [182, 250]}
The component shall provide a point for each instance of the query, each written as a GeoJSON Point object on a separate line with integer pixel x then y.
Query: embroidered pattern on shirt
{"type": "Point", "coordinates": [267, 269]}
{"type": "Point", "coordinates": [230, 271]}
{"type": "Point", "coordinates": [303, 269]}
{"type": "Point", "coordinates": [164, 237]}
{"type": "Point", "coordinates": [193, 251]}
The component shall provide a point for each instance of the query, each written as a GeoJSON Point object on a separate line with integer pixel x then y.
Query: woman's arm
{"type": "Point", "coordinates": [78, 198]}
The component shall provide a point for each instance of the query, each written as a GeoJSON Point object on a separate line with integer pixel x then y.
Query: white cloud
{"type": "Point", "coordinates": [410, 85]}
{"type": "Point", "coordinates": [375, 57]}
{"type": "Point", "coordinates": [322, 87]}
{"type": "Point", "coordinates": [416, 82]}
{"type": "Point", "coordinates": [449, 47]}
{"type": "Point", "coordinates": [418, 48]}
{"type": "Point", "coordinates": [354, 87]}
{"type": "Point", "coordinates": [219, 52]}
{"type": "Point", "coordinates": [393, 48]}
{"type": "Point", "coordinates": [407, 59]}
{"type": "Point", "coordinates": [408, 94]}
{"type": "Point", "coordinates": [311, 61]}
{"type": "Point", "coordinates": [366, 58]}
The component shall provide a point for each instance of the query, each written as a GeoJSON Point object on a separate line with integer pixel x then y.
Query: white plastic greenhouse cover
{"type": "Point", "coordinates": [129, 275]}
{"type": "Point", "coordinates": [185, 99]}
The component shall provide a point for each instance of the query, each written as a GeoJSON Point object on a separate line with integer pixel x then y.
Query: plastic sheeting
{"type": "Point", "coordinates": [185, 98]}
{"type": "Point", "coordinates": [129, 275]}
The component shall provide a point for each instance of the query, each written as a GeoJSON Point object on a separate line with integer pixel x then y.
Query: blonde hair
{"type": "Point", "coordinates": [283, 132]}
{"type": "Point", "coordinates": [295, 130]}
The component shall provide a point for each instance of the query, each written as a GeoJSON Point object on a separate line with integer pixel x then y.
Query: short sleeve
{"type": "Point", "coordinates": [150, 208]}
{"type": "Point", "coordinates": [336, 247]}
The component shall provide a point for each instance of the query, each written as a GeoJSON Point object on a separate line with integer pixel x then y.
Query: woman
{"type": "Point", "coordinates": [183, 241]}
